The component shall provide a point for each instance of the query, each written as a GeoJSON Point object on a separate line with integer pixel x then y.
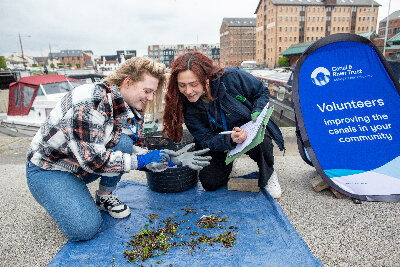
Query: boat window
{"type": "Point", "coordinates": [17, 97]}
{"type": "Point", "coordinates": [77, 83]}
{"type": "Point", "coordinates": [40, 91]}
{"type": "Point", "coordinates": [281, 93]}
{"type": "Point", "coordinates": [56, 88]}
{"type": "Point", "coordinates": [27, 93]}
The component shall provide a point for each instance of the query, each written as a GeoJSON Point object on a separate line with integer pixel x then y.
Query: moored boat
{"type": "Point", "coordinates": [32, 98]}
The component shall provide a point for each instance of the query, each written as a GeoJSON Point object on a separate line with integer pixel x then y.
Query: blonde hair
{"type": "Point", "coordinates": [135, 68]}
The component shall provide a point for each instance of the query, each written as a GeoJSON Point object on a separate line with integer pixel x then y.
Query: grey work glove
{"type": "Point", "coordinates": [157, 167]}
{"type": "Point", "coordinates": [193, 160]}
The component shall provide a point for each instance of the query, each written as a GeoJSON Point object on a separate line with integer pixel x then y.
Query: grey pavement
{"type": "Point", "coordinates": [337, 231]}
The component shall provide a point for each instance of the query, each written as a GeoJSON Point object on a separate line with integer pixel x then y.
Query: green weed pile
{"type": "Point", "coordinates": [157, 239]}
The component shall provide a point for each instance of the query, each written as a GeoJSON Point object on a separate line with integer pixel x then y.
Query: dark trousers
{"type": "Point", "coordinates": [217, 173]}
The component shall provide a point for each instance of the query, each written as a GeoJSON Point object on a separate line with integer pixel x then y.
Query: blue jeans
{"type": "Point", "coordinates": [67, 198]}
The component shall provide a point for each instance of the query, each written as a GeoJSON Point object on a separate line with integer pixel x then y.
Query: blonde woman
{"type": "Point", "coordinates": [93, 133]}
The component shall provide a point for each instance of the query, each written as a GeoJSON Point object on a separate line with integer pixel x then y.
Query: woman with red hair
{"type": "Point", "coordinates": [209, 100]}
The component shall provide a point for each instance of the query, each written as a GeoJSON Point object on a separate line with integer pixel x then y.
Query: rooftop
{"type": "Point", "coordinates": [337, 231]}
{"type": "Point", "coordinates": [395, 38]}
{"type": "Point", "coordinates": [320, 3]}
{"type": "Point", "coordinates": [240, 22]}
{"type": "Point", "coordinates": [393, 16]}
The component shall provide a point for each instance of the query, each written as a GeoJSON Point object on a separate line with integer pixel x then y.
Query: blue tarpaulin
{"type": "Point", "coordinates": [264, 236]}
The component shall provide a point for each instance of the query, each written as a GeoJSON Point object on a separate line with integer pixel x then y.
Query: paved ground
{"type": "Point", "coordinates": [337, 231]}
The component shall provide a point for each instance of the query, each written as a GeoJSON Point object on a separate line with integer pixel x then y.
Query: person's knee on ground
{"type": "Point", "coordinates": [215, 175]}
{"type": "Point", "coordinates": [78, 229]}
{"type": "Point", "coordinates": [211, 186]}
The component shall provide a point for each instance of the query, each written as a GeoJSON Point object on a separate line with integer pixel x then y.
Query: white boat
{"type": "Point", "coordinates": [32, 98]}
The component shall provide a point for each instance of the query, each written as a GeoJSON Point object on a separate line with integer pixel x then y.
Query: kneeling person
{"type": "Point", "coordinates": [90, 135]}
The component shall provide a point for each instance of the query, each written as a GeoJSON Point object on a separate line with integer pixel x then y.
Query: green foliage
{"type": "Point", "coordinates": [52, 65]}
{"type": "Point", "coordinates": [60, 65]}
{"type": "Point", "coordinates": [78, 65]}
{"type": "Point", "coordinates": [34, 65]}
{"type": "Point", "coordinates": [69, 65]}
{"type": "Point", "coordinates": [283, 62]}
{"type": "Point", "coordinates": [3, 64]}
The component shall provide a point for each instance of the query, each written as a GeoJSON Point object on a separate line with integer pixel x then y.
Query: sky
{"type": "Point", "coordinates": [105, 26]}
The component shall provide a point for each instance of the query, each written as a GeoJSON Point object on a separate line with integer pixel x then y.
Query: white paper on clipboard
{"type": "Point", "coordinates": [251, 128]}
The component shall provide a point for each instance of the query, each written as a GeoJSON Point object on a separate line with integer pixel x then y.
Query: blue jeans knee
{"type": "Point", "coordinates": [67, 199]}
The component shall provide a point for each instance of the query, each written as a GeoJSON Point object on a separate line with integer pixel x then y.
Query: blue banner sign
{"type": "Point", "coordinates": [349, 106]}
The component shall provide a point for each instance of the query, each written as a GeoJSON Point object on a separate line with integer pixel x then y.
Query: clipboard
{"type": "Point", "coordinates": [255, 134]}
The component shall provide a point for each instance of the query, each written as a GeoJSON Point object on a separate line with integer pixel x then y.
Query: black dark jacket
{"type": "Point", "coordinates": [238, 94]}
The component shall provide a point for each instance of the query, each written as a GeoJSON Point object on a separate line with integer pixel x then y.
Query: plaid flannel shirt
{"type": "Point", "coordinates": [79, 131]}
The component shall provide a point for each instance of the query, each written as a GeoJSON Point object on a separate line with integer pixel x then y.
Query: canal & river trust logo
{"type": "Point", "coordinates": [320, 76]}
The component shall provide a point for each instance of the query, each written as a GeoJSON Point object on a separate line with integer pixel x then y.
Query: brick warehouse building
{"type": "Point", "coordinates": [281, 23]}
{"type": "Point", "coordinates": [393, 25]}
{"type": "Point", "coordinates": [72, 57]}
{"type": "Point", "coordinates": [238, 40]}
{"type": "Point", "coordinates": [167, 53]}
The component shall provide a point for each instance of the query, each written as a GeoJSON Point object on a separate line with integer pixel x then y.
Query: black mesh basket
{"type": "Point", "coordinates": [172, 180]}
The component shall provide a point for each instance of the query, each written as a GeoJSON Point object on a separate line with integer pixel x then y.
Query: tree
{"type": "Point", "coordinates": [283, 62]}
{"type": "Point", "coordinates": [3, 63]}
{"type": "Point", "coordinates": [78, 65]}
{"type": "Point", "coordinates": [52, 65]}
{"type": "Point", "coordinates": [69, 65]}
{"type": "Point", "coordinates": [34, 65]}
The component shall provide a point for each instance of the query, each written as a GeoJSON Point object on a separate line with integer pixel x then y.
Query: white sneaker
{"type": "Point", "coordinates": [112, 205]}
{"type": "Point", "coordinates": [273, 186]}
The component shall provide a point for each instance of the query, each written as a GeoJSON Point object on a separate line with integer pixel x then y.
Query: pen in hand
{"type": "Point", "coordinates": [227, 132]}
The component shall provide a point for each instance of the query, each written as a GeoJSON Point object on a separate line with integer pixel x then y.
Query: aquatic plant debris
{"type": "Point", "coordinates": [157, 239]}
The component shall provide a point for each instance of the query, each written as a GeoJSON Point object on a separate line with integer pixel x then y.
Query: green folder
{"type": "Point", "coordinates": [257, 139]}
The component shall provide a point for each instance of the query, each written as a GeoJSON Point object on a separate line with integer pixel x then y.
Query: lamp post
{"type": "Point", "coordinates": [22, 50]}
{"type": "Point", "coordinates": [370, 15]}
{"type": "Point", "coordinates": [386, 32]}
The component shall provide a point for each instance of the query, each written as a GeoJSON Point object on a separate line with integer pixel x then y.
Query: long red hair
{"type": "Point", "coordinates": [205, 69]}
